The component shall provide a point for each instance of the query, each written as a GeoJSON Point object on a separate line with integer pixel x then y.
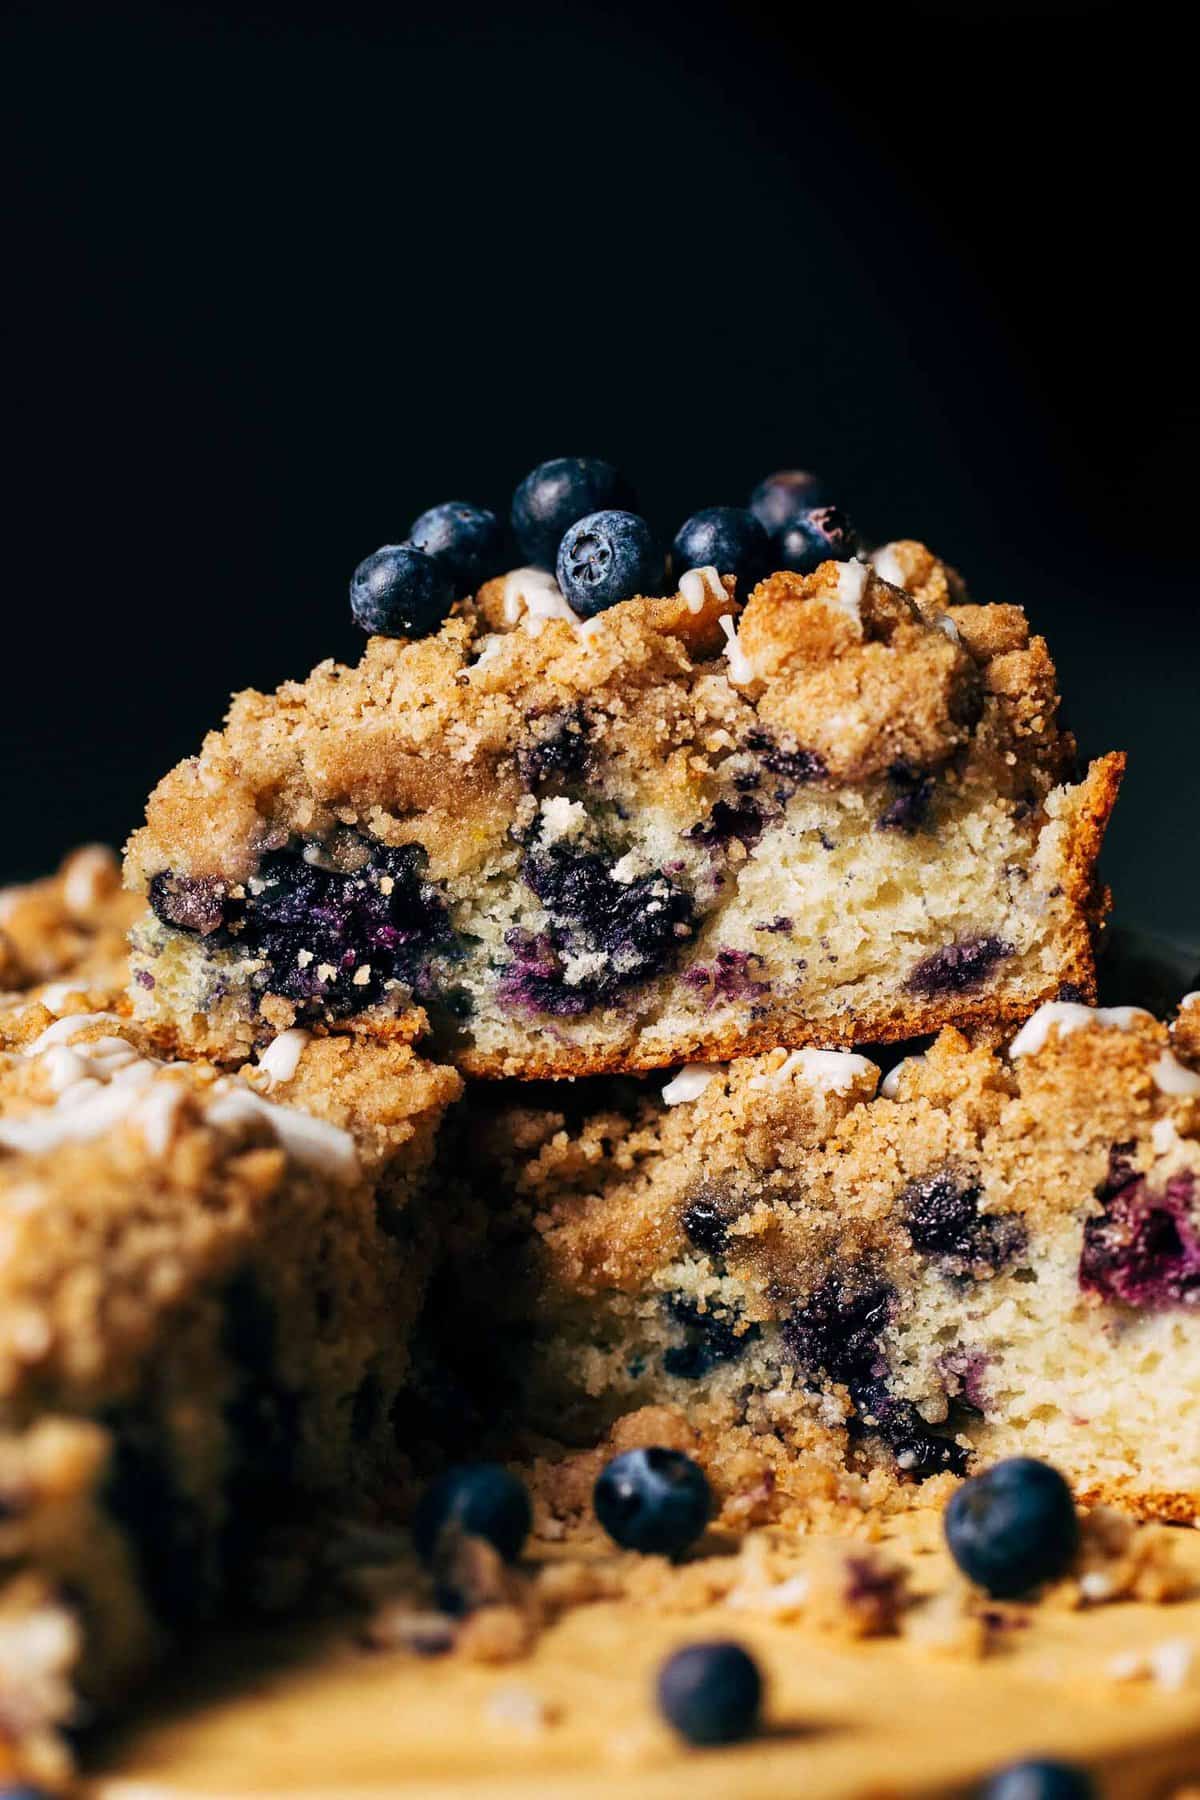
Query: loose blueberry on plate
{"type": "Point", "coordinates": [481, 1500]}
{"type": "Point", "coordinates": [555, 495]}
{"type": "Point", "coordinates": [1013, 1527]}
{"type": "Point", "coordinates": [401, 592]}
{"type": "Point", "coordinates": [466, 540]}
{"type": "Point", "coordinates": [607, 557]}
{"type": "Point", "coordinates": [1044, 1779]}
{"type": "Point", "coordinates": [728, 539]}
{"type": "Point", "coordinates": [655, 1500]}
{"type": "Point", "coordinates": [777, 499]}
{"type": "Point", "coordinates": [819, 535]}
{"type": "Point", "coordinates": [711, 1693]}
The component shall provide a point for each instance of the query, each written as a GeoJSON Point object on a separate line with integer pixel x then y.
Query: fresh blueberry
{"type": "Point", "coordinates": [776, 501]}
{"type": "Point", "coordinates": [711, 1693]}
{"type": "Point", "coordinates": [401, 592]}
{"type": "Point", "coordinates": [728, 539]}
{"type": "Point", "coordinates": [556, 494]}
{"type": "Point", "coordinates": [482, 1500]}
{"type": "Point", "coordinates": [821, 534]}
{"type": "Point", "coordinates": [1044, 1779]}
{"type": "Point", "coordinates": [657, 1501]}
{"type": "Point", "coordinates": [1013, 1527]}
{"type": "Point", "coordinates": [606, 557]}
{"type": "Point", "coordinates": [467, 540]}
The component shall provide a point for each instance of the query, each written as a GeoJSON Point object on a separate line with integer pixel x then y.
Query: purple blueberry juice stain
{"type": "Point", "coordinates": [908, 812]}
{"type": "Point", "coordinates": [957, 968]}
{"type": "Point", "coordinates": [964, 1375]}
{"type": "Point", "coordinates": [730, 976]}
{"type": "Point", "coordinates": [741, 820]}
{"type": "Point", "coordinates": [792, 763]}
{"type": "Point", "coordinates": [942, 1216]}
{"type": "Point", "coordinates": [328, 940]}
{"type": "Point", "coordinates": [706, 1217]}
{"type": "Point", "coordinates": [198, 904]}
{"type": "Point", "coordinates": [632, 931]}
{"type": "Point", "coordinates": [837, 1333]}
{"type": "Point", "coordinates": [708, 1339]}
{"type": "Point", "coordinates": [1143, 1248]}
{"type": "Point", "coordinates": [558, 748]}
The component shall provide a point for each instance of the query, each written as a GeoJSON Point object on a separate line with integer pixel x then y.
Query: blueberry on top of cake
{"type": "Point", "coordinates": [612, 820]}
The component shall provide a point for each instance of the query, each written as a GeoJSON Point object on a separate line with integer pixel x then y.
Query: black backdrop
{"type": "Point", "coordinates": [280, 276]}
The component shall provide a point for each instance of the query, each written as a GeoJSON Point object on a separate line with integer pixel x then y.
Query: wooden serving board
{"type": "Point", "coordinates": [315, 1716]}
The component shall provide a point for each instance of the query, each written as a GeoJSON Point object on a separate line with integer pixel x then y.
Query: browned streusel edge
{"type": "Point", "coordinates": [565, 848]}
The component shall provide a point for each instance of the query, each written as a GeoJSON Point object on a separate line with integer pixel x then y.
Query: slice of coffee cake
{"type": "Point", "coordinates": [207, 1283]}
{"type": "Point", "coordinates": [680, 828]}
{"type": "Point", "coordinates": [829, 1285]}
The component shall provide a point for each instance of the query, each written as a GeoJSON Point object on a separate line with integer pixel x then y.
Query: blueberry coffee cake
{"type": "Point", "coordinates": [586, 816]}
{"type": "Point", "coordinates": [207, 1282]}
{"type": "Point", "coordinates": [825, 1284]}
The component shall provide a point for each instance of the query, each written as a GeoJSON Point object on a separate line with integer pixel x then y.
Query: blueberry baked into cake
{"type": "Point", "coordinates": [708, 832]}
{"type": "Point", "coordinates": [607, 820]}
{"type": "Point", "coordinates": [207, 1282]}
{"type": "Point", "coordinates": [839, 1283]}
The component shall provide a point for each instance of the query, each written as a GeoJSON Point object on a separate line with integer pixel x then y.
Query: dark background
{"type": "Point", "coordinates": [279, 277]}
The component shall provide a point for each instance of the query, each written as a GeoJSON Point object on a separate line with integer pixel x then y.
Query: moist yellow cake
{"type": "Point", "coordinates": [842, 812]}
{"type": "Point", "coordinates": [830, 1289]}
{"type": "Point", "coordinates": [207, 1282]}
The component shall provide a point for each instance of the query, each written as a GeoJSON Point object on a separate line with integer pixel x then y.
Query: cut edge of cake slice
{"type": "Point", "coordinates": [681, 829]}
{"type": "Point", "coordinates": [835, 1291]}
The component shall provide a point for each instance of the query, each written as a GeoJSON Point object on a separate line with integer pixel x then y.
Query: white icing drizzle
{"type": "Point", "coordinates": [89, 875]}
{"type": "Point", "coordinates": [63, 1030]}
{"type": "Point", "coordinates": [107, 1082]}
{"type": "Point", "coordinates": [1170, 1077]}
{"type": "Point", "coordinates": [851, 586]}
{"type": "Point", "coordinates": [55, 994]}
{"type": "Point", "coordinates": [886, 564]}
{"type": "Point", "coordinates": [1188, 999]}
{"type": "Point", "coordinates": [314, 1142]}
{"type": "Point", "coordinates": [696, 585]}
{"type": "Point", "coordinates": [158, 1113]}
{"type": "Point", "coordinates": [535, 596]}
{"type": "Point", "coordinates": [1163, 1136]}
{"type": "Point", "coordinates": [741, 670]}
{"type": "Point", "coordinates": [1070, 1016]}
{"type": "Point", "coordinates": [489, 649]}
{"type": "Point", "coordinates": [689, 1084]}
{"type": "Point", "coordinates": [280, 1060]}
{"type": "Point", "coordinates": [832, 1071]}
{"type": "Point", "coordinates": [519, 584]}
{"type": "Point", "coordinates": [889, 1087]}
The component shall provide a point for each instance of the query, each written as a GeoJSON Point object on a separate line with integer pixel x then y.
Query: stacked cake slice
{"type": "Point", "coordinates": [524, 840]}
